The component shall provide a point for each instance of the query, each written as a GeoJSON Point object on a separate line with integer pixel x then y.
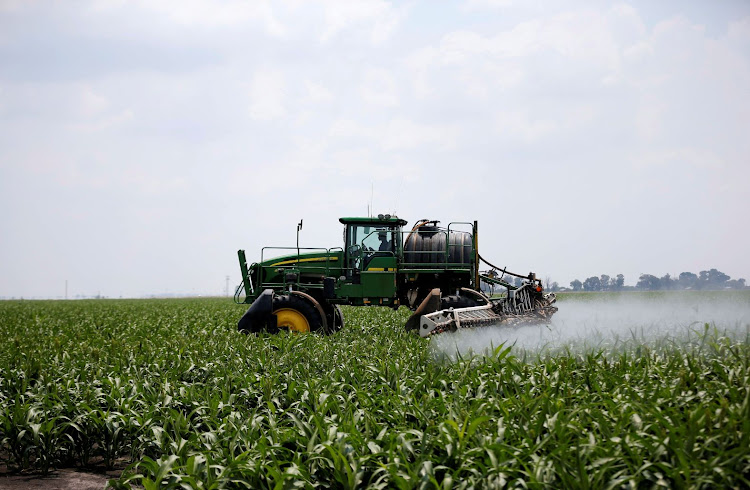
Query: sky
{"type": "Point", "coordinates": [143, 143]}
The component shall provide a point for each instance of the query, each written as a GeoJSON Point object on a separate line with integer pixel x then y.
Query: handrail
{"type": "Point", "coordinates": [459, 223]}
{"type": "Point", "coordinates": [240, 287]}
{"type": "Point", "coordinates": [262, 250]}
{"type": "Point", "coordinates": [294, 262]}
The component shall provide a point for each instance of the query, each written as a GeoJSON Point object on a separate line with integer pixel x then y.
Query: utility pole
{"type": "Point", "coordinates": [66, 289]}
{"type": "Point", "coordinates": [226, 290]}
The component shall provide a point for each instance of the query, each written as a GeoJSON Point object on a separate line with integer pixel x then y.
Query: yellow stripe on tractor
{"type": "Point", "coordinates": [314, 259]}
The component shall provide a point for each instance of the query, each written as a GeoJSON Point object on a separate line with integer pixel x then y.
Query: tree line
{"type": "Point", "coordinates": [712, 279]}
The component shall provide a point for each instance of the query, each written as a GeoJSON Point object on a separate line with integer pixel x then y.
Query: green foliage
{"type": "Point", "coordinates": [192, 403]}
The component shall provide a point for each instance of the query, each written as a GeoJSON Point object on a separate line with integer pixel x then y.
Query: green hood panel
{"type": "Point", "coordinates": [305, 259]}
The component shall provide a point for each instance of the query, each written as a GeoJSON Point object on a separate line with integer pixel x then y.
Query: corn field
{"type": "Point", "coordinates": [171, 388]}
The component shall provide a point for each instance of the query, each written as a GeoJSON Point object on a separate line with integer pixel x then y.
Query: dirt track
{"type": "Point", "coordinates": [65, 479]}
{"type": "Point", "coordinates": [94, 478]}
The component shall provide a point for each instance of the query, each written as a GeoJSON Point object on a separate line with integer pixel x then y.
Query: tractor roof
{"type": "Point", "coordinates": [374, 220]}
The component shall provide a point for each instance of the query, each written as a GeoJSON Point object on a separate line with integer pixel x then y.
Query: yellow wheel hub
{"type": "Point", "coordinates": [292, 320]}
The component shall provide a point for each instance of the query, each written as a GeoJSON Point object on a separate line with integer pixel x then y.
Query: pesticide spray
{"type": "Point", "coordinates": [610, 323]}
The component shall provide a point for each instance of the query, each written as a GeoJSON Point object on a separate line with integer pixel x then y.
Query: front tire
{"type": "Point", "coordinates": [295, 314]}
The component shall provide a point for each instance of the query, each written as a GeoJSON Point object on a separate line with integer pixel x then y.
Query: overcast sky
{"type": "Point", "coordinates": [142, 143]}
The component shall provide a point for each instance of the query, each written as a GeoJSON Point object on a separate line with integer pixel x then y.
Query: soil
{"type": "Point", "coordinates": [90, 478]}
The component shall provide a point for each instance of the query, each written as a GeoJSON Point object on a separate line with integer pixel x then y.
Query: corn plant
{"type": "Point", "coordinates": [172, 388]}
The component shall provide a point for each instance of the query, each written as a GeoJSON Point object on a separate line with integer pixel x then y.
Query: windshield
{"type": "Point", "coordinates": [372, 238]}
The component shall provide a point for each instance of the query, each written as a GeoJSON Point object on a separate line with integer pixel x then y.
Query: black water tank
{"type": "Point", "coordinates": [427, 246]}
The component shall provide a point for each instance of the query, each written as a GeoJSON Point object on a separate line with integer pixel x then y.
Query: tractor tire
{"type": "Point", "coordinates": [255, 318]}
{"type": "Point", "coordinates": [295, 314]}
{"type": "Point", "coordinates": [334, 317]}
{"type": "Point", "coordinates": [457, 301]}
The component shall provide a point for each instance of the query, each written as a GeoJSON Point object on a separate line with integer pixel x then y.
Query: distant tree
{"type": "Point", "coordinates": [702, 282]}
{"type": "Point", "coordinates": [556, 287]}
{"type": "Point", "coordinates": [736, 284]}
{"type": "Point", "coordinates": [576, 284]}
{"type": "Point", "coordinates": [605, 282]}
{"type": "Point", "coordinates": [546, 282]}
{"type": "Point", "coordinates": [666, 282]}
{"type": "Point", "coordinates": [619, 282]}
{"type": "Point", "coordinates": [717, 278]}
{"type": "Point", "coordinates": [648, 282]}
{"type": "Point", "coordinates": [712, 279]}
{"type": "Point", "coordinates": [592, 284]}
{"type": "Point", "coordinates": [687, 280]}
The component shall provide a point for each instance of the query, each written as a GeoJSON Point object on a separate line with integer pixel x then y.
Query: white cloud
{"type": "Point", "coordinates": [342, 15]}
{"type": "Point", "coordinates": [638, 51]}
{"type": "Point", "coordinates": [459, 46]}
{"type": "Point", "coordinates": [575, 35]}
{"type": "Point", "coordinates": [625, 24]}
{"type": "Point", "coordinates": [69, 104]}
{"type": "Point", "coordinates": [402, 134]}
{"type": "Point", "coordinates": [349, 129]}
{"type": "Point", "coordinates": [649, 119]}
{"type": "Point", "coordinates": [267, 95]}
{"type": "Point", "coordinates": [738, 33]}
{"type": "Point", "coordinates": [568, 45]}
{"type": "Point", "coordinates": [91, 103]}
{"type": "Point", "coordinates": [12, 5]}
{"type": "Point", "coordinates": [419, 64]}
{"type": "Point", "coordinates": [581, 35]}
{"type": "Point", "coordinates": [520, 125]}
{"type": "Point", "coordinates": [104, 122]}
{"type": "Point", "coordinates": [379, 88]}
{"type": "Point", "coordinates": [317, 93]}
{"type": "Point", "coordinates": [206, 12]}
{"type": "Point", "coordinates": [684, 158]}
{"type": "Point", "coordinates": [485, 4]}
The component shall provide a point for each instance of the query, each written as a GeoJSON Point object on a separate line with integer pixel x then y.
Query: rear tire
{"type": "Point", "coordinates": [295, 314]}
{"type": "Point", "coordinates": [457, 301]}
{"type": "Point", "coordinates": [334, 317]}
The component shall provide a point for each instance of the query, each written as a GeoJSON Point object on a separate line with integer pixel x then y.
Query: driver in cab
{"type": "Point", "coordinates": [385, 242]}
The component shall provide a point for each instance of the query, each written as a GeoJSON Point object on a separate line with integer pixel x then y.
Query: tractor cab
{"type": "Point", "coordinates": [372, 247]}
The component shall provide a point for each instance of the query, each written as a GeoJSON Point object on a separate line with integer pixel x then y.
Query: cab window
{"type": "Point", "coordinates": [371, 239]}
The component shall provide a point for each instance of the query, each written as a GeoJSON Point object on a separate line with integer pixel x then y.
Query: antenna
{"type": "Point", "coordinates": [299, 227]}
{"type": "Point", "coordinates": [372, 193]}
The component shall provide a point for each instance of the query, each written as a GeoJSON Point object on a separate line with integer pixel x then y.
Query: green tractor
{"type": "Point", "coordinates": [430, 269]}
